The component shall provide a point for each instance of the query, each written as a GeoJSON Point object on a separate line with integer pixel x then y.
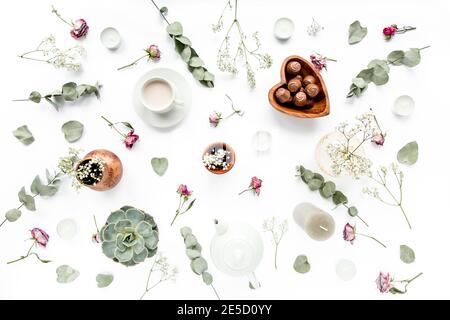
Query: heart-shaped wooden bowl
{"type": "Point", "coordinates": [321, 105]}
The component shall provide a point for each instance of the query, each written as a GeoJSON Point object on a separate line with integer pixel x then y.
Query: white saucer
{"type": "Point", "coordinates": [173, 117]}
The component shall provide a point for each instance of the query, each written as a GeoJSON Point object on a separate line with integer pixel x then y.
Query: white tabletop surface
{"type": "Point", "coordinates": [25, 23]}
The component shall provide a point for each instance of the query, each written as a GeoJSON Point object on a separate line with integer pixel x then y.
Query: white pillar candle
{"type": "Point", "coordinates": [318, 224]}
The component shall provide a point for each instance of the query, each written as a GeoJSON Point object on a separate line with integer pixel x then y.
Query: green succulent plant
{"type": "Point", "coordinates": [129, 236]}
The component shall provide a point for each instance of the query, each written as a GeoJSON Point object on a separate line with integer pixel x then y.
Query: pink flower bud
{"type": "Point", "coordinates": [40, 236]}
{"type": "Point", "coordinates": [80, 29]}
{"type": "Point", "coordinates": [131, 139]}
{"type": "Point", "coordinates": [349, 233]}
{"type": "Point", "coordinates": [183, 190]}
{"type": "Point", "coordinates": [215, 118]}
{"type": "Point", "coordinates": [378, 139]}
{"type": "Point", "coordinates": [383, 282]}
{"type": "Point", "coordinates": [153, 52]}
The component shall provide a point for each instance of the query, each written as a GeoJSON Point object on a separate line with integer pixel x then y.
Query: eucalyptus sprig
{"type": "Point", "coordinates": [377, 70]}
{"type": "Point", "coordinates": [183, 46]}
{"type": "Point", "coordinates": [70, 92]}
{"type": "Point", "coordinates": [327, 189]}
{"type": "Point", "coordinates": [194, 252]}
{"type": "Point", "coordinates": [37, 188]}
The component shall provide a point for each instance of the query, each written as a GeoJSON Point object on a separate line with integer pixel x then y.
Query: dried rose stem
{"type": "Point", "coordinates": [133, 63]}
{"type": "Point", "coordinates": [373, 238]}
{"type": "Point", "coordinates": [60, 17]}
{"type": "Point", "coordinates": [159, 10]}
{"type": "Point", "coordinates": [113, 125]}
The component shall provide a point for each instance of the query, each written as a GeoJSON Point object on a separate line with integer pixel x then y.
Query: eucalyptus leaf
{"type": "Point", "coordinates": [35, 97]}
{"type": "Point", "coordinates": [208, 76]}
{"type": "Point", "coordinates": [66, 274]}
{"type": "Point", "coordinates": [193, 254]}
{"type": "Point", "coordinates": [301, 264]}
{"type": "Point", "coordinates": [160, 165]}
{"type": "Point", "coordinates": [69, 91]}
{"type": "Point", "coordinates": [207, 278]}
{"type": "Point", "coordinates": [352, 211]}
{"type": "Point", "coordinates": [315, 184]}
{"type": "Point", "coordinates": [379, 76]}
{"type": "Point", "coordinates": [198, 73]}
{"type": "Point", "coordinates": [411, 58]}
{"type": "Point", "coordinates": [13, 215]}
{"type": "Point", "coordinates": [251, 286]}
{"type": "Point", "coordinates": [175, 29]}
{"type": "Point", "coordinates": [190, 241]}
{"type": "Point", "coordinates": [47, 191]}
{"type": "Point", "coordinates": [407, 254]}
{"type": "Point", "coordinates": [164, 11]}
{"type": "Point", "coordinates": [359, 82]}
{"type": "Point", "coordinates": [185, 231]}
{"type": "Point", "coordinates": [24, 135]}
{"type": "Point", "coordinates": [356, 32]}
{"type": "Point", "coordinates": [199, 265]}
{"type": "Point", "coordinates": [307, 175]}
{"type": "Point", "coordinates": [328, 189]}
{"type": "Point", "coordinates": [27, 200]}
{"type": "Point", "coordinates": [186, 54]}
{"type": "Point", "coordinates": [73, 130]}
{"type": "Point", "coordinates": [184, 40]}
{"type": "Point", "coordinates": [104, 280]}
{"type": "Point", "coordinates": [409, 154]}
{"type": "Point", "coordinates": [379, 63]}
{"type": "Point", "coordinates": [35, 185]}
{"type": "Point", "coordinates": [366, 74]}
{"type": "Point", "coordinates": [396, 57]}
{"type": "Point", "coordinates": [196, 62]}
{"type": "Point", "coordinates": [339, 198]}
{"type": "Point", "coordinates": [54, 104]}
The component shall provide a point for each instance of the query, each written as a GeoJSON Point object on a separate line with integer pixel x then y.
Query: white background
{"type": "Point", "coordinates": [25, 23]}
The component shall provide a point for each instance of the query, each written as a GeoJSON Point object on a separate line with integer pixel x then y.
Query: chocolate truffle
{"type": "Point", "coordinates": [312, 90]}
{"type": "Point", "coordinates": [300, 99]}
{"type": "Point", "coordinates": [283, 95]}
{"type": "Point", "coordinates": [293, 68]}
{"type": "Point", "coordinates": [308, 80]}
{"type": "Point", "coordinates": [294, 85]}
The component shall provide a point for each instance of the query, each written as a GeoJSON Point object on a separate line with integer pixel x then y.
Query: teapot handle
{"type": "Point", "coordinates": [253, 281]}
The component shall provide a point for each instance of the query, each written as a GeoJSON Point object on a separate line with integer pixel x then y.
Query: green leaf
{"type": "Point", "coordinates": [199, 265]}
{"type": "Point", "coordinates": [185, 231]}
{"type": "Point", "coordinates": [184, 40]}
{"type": "Point", "coordinates": [66, 274]}
{"type": "Point", "coordinates": [328, 189]}
{"type": "Point", "coordinates": [24, 135]}
{"type": "Point", "coordinates": [198, 73]}
{"type": "Point", "coordinates": [315, 184]}
{"type": "Point", "coordinates": [35, 185]}
{"type": "Point", "coordinates": [190, 241]}
{"type": "Point", "coordinates": [307, 175]}
{"type": "Point", "coordinates": [35, 97]}
{"type": "Point", "coordinates": [352, 211]}
{"type": "Point", "coordinates": [411, 58]}
{"type": "Point", "coordinates": [396, 57]}
{"type": "Point", "coordinates": [339, 198]}
{"type": "Point", "coordinates": [69, 91]}
{"type": "Point", "coordinates": [13, 215]}
{"type": "Point", "coordinates": [366, 74]}
{"type": "Point", "coordinates": [193, 254]}
{"type": "Point", "coordinates": [207, 278]}
{"type": "Point", "coordinates": [53, 103]}
{"type": "Point", "coordinates": [186, 54]}
{"type": "Point", "coordinates": [208, 76]}
{"type": "Point", "coordinates": [379, 63]}
{"type": "Point", "coordinates": [164, 11]}
{"type": "Point", "coordinates": [251, 286]}
{"type": "Point", "coordinates": [407, 254]}
{"type": "Point", "coordinates": [196, 62]}
{"type": "Point", "coordinates": [73, 130]}
{"type": "Point", "coordinates": [409, 153]}
{"type": "Point", "coordinates": [175, 29]}
{"type": "Point", "coordinates": [356, 32]}
{"type": "Point", "coordinates": [379, 76]}
{"type": "Point", "coordinates": [301, 264]}
{"type": "Point", "coordinates": [104, 280]}
{"type": "Point", "coordinates": [359, 82]}
{"type": "Point", "coordinates": [27, 200]}
{"type": "Point", "coordinates": [160, 165]}
{"type": "Point", "coordinates": [394, 290]}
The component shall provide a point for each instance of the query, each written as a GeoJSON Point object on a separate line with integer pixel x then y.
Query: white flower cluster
{"type": "Point", "coordinates": [218, 160]}
{"type": "Point", "coordinates": [61, 59]}
{"type": "Point", "coordinates": [91, 170]}
{"type": "Point", "coordinates": [343, 152]}
{"type": "Point", "coordinates": [276, 227]}
{"type": "Point", "coordinates": [314, 28]}
{"type": "Point", "coordinates": [167, 271]}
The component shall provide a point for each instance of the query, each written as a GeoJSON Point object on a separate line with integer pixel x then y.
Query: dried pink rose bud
{"type": "Point", "coordinates": [215, 118]}
{"type": "Point", "coordinates": [153, 52]}
{"type": "Point", "coordinates": [80, 29]}
{"type": "Point", "coordinates": [318, 61]}
{"type": "Point", "coordinates": [40, 236]}
{"type": "Point", "coordinates": [131, 139]}
{"type": "Point", "coordinates": [184, 191]}
{"type": "Point", "coordinates": [256, 185]}
{"type": "Point", "coordinates": [349, 233]}
{"type": "Point", "coordinates": [96, 238]}
{"type": "Point", "coordinates": [388, 32]}
{"type": "Point", "coordinates": [378, 139]}
{"type": "Point", "coordinates": [383, 282]}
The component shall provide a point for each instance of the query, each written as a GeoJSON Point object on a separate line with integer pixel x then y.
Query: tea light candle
{"type": "Point", "coordinates": [403, 106]}
{"type": "Point", "coordinates": [67, 229]}
{"type": "Point", "coordinates": [318, 224]}
{"type": "Point", "coordinates": [345, 269]}
{"type": "Point", "coordinates": [284, 28]}
{"type": "Point", "coordinates": [110, 38]}
{"type": "Point", "coordinates": [262, 141]}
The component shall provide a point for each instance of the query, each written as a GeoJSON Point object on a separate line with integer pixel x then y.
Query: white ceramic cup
{"type": "Point", "coordinates": [165, 107]}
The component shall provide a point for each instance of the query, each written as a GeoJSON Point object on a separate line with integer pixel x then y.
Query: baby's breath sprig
{"type": "Point", "coordinates": [381, 178]}
{"type": "Point", "coordinates": [277, 228]}
{"type": "Point", "coordinates": [47, 52]}
{"type": "Point", "coordinates": [166, 271]}
{"type": "Point", "coordinates": [227, 62]}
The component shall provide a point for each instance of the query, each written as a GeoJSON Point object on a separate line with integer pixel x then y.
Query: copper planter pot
{"type": "Point", "coordinates": [226, 147]}
{"type": "Point", "coordinates": [112, 172]}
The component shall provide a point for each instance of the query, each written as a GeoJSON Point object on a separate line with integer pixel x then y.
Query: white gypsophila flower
{"type": "Point", "coordinates": [314, 28]}
{"type": "Point", "coordinates": [218, 160]}
{"type": "Point", "coordinates": [167, 271]}
{"type": "Point", "coordinates": [277, 227]}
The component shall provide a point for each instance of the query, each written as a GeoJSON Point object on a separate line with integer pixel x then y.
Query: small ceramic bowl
{"type": "Point", "coordinates": [230, 157]}
{"type": "Point", "coordinates": [110, 38]}
{"type": "Point", "coordinates": [283, 29]}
